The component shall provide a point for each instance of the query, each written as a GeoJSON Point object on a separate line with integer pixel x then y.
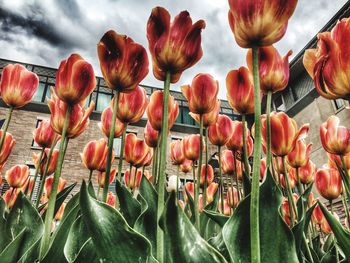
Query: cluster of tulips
{"type": "Point", "coordinates": [264, 212]}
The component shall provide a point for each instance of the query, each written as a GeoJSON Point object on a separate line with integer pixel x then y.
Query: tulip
{"type": "Point", "coordinates": [232, 197]}
{"type": "Point", "coordinates": [9, 143]}
{"type": "Point", "coordinates": [209, 175]}
{"type": "Point", "coordinates": [208, 118]}
{"type": "Point", "coordinates": [262, 168]}
{"type": "Point", "coordinates": [101, 176]}
{"type": "Point", "coordinates": [106, 122]}
{"type": "Point", "coordinates": [111, 199]}
{"type": "Point", "coordinates": [259, 22]}
{"type": "Point", "coordinates": [18, 85]}
{"type": "Point", "coordinates": [177, 155]}
{"type": "Point", "coordinates": [181, 204]}
{"type": "Point", "coordinates": [123, 62]}
{"type": "Point", "coordinates": [135, 150]}
{"type": "Point", "coordinates": [155, 110]}
{"type": "Point", "coordinates": [48, 186]}
{"type": "Point", "coordinates": [220, 132]}
{"type": "Point", "coordinates": [317, 215]}
{"type": "Point", "coordinates": [75, 80]}
{"type": "Point", "coordinates": [131, 106]}
{"type": "Point", "coordinates": [29, 186]}
{"type": "Point", "coordinates": [292, 178]}
{"type": "Point", "coordinates": [151, 135]}
{"type": "Point", "coordinates": [103, 166]}
{"type": "Point", "coordinates": [148, 159]}
{"type": "Point", "coordinates": [202, 93]}
{"type": "Point", "coordinates": [200, 203]}
{"type": "Point", "coordinates": [235, 142]}
{"type": "Point", "coordinates": [227, 208]}
{"type": "Point", "coordinates": [240, 90]}
{"type": "Point", "coordinates": [299, 156]}
{"type": "Point", "coordinates": [189, 189]}
{"type": "Point", "coordinates": [44, 135]}
{"type": "Point", "coordinates": [278, 163]}
{"type": "Point", "coordinates": [173, 182]}
{"type": "Point", "coordinates": [94, 154]}
{"type": "Point", "coordinates": [42, 164]}
{"type": "Point", "coordinates": [10, 197]}
{"type": "Point", "coordinates": [17, 175]}
{"type": "Point", "coordinates": [191, 146]}
{"type": "Point", "coordinates": [186, 166]}
{"type": "Point", "coordinates": [1, 180]}
{"type": "Point", "coordinates": [329, 64]}
{"type": "Point", "coordinates": [60, 212]}
{"type": "Point", "coordinates": [131, 180]}
{"type": "Point", "coordinates": [285, 210]}
{"type": "Point", "coordinates": [273, 69]}
{"type": "Point", "coordinates": [335, 138]}
{"type": "Point", "coordinates": [307, 172]}
{"type": "Point", "coordinates": [211, 190]}
{"type": "Point", "coordinates": [328, 183]}
{"type": "Point", "coordinates": [174, 46]}
{"type": "Point", "coordinates": [78, 117]}
{"type": "Point", "coordinates": [227, 162]}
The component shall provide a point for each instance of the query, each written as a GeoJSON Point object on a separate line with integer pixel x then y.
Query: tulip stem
{"type": "Point", "coordinates": [308, 248]}
{"type": "Point", "coordinates": [291, 203]}
{"type": "Point", "coordinates": [254, 201]}
{"type": "Point", "coordinates": [221, 182]}
{"type": "Point", "coordinates": [236, 174]}
{"type": "Point", "coordinates": [45, 241]}
{"type": "Point", "coordinates": [110, 148]}
{"type": "Point", "coordinates": [121, 153]}
{"type": "Point", "coordinates": [8, 119]}
{"type": "Point", "coordinates": [37, 171]}
{"type": "Point", "coordinates": [162, 166]}
{"type": "Point", "coordinates": [268, 129]}
{"type": "Point", "coordinates": [177, 182]}
{"type": "Point", "coordinates": [206, 169]}
{"type": "Point", "coordinates": [300, 190]}
{"type": "Point", "coordinates": [154, 161]}
{"type": "Point", "coordinates": [90, 176]}
{"type": "Point", "coordinates": [245, 151]}
{"type": "Point", "coordinates": [233, 194]}
{"type": "Point", "coordinates": [335, 241]}
{"type": "Point", "coordinates": [43, 177]}
{"type": "Point", "coordinates": [345, 206]}
{"type": "Point", "coordinates": [347, 174]}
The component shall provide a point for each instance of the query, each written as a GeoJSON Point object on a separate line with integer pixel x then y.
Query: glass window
{"type": "Point", "coordinates": [339, 103]}
{"type": "Point", "coordinates": [38, 96]}
{"type": "Point", "coordinates": [37, 181]}
{"type": "Point", "coordinates": [103, 101]}
{"type": "Point", "coordinates": [187, 119]}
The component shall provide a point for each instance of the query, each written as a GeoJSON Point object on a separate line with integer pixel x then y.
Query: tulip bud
{"type": "Point", "coordinates": [208, 118]}
{"type": "Point", "coordinates": [210, 175]}
{"type": "Point", "coordinates": [17, 85]}
{"type": "Point", "coordinates": [94, 154]}
{"type": "Point", "coordinates": [101, 177]}
{"type": "Point", "coordinates": [181, 204]}
{"type": "Point", "coordinates": [44, 135]}
{"type": "Point", "coordinates": [48, 186]}
{"type": "Point", "coordinates": [191, 144]}
{"type": "Point", "coordinates": [42, 164]}
{"type": "Point", "coordinates": [17, 175]}
{"type": "Point", "coordinates": [123, 62]}
{"type": "Point", "coordinates": [328, 183]}
{"type": "Point", "coordinates": [135, 150]}
{"type": "Point", "coordinates": [220, 132]}
{"type": "Point", "coordinates": [106, 122]}
{"type": "Point", "coordinates": [10, 197]}
{"type": "Point", "coordinates": [174, 46]}
{"type": "Point", "coordinates": [111, 199]}
{"type": "Point", "coordinates": [211, 190]}
{"type": "Point", "coordinates": [75, 80]}
{"type": "Point", "coordinates": [60, 212]}
{"type": "Point", "coordinates": [9, 143]}
{"type": "Point", "coordinates": [155, 110]}
{"type": "Point", "coordinates": [186, 166]}
{"type": "Point", "coordinates": [133, 180]}
{"type": "Point", "coordinates": [307, 172]}
{"type": "Point", "coordinates": [176, 152]}
{"type": "Point", "coordinates": [151, 135]}
{"type": "Point", "coordinates": [232, 197]}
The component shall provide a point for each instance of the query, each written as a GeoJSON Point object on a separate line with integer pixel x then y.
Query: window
{"type": "Point", "coordinates": [37, 182]}
{"type": "Point", "coordinates": [278, 103]}
{"type": "Point", "coordinates": [40, 92]}
{"type": "Point", "coordinates": [339, 104]}
{"type": "Point", "coordinates": [117, 144]}
{"type": "Point", "coordinates": [103, 101]}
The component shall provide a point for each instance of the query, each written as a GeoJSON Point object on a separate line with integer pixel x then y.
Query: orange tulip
{"type": "Point", "coordinates": [106, 121]}
{"type": "Point", "coordinates": [102, 168]}
{"type": "Point", "coordinates": [43, 163]}
{"type": "Point", "coordinates": [220, 132]}
{"type": "Point", "coordinates": [111, 199]}
{"type": "Point", "coordinates": [101, 177]}
{"type": "Point", "coordinates": [335, 138]}
{"type": "Point", "coordinates": [151, 135]}
{"type": "Point", "coordinates": [279, 165]}
{"type": "Point", "coordinates": [232, 197]}
{"type": "Point", "coordinates": [131, 106]}
{"type": "Point", "coordinates": [48, 186]}
{"type": "Point", "coordinates": [227, 208]}
{"type": "Point", "coordinates": [148, 159]}
{"type": "Point", "coordinates": [299, 156]}
{"type": "Point", "coordinates": [186, 166]}
{"type": "Point", "coordinates": [7, 147]}
{"type": "Point", "coordinates": [191, 146]}
{"type": "Point", "coordinates": [10, 197]}
{"type": "Point", "coordinates": [133, 180]}
{"type": "Point", "coordinates": [177, 155]}
{"type": "Point", "coordinates": [78, 118]}
{"type": "Point", "coordinates": [328, 183]}
{"type": "Point", "coordinates": [307, 172]}
{"type": "Point", "coordinates": [317, 215]}
{"type": "Point", "coordinates": [292, 177]}
{"type": "Point", "coordinates": [235, 142]}
{"type": "Point", "coordinates": [189, 188]}
{"type": "Point", "coordinates": [284, 133]}
{"type": "Point", "coordinates": [18, 85]}
{"type": "Point", "coordinates": [124, 63]}
{"type": "Point", "coordinates": [44, 134]}
{"type": "Point", "coordinates": [273, 69]}
{"type": "Point", "coordinates": [60, 212]}
{"type": "Point", "coordinates": [334, 159]}
{"type": "Point", "coordinates": [94, 154]}
{"type": "Point", "coordinates": [211, 190]}
{"type": "Point", "coordinates": [135, 150]}
{"type": "Point", "coordinates": [259, 22]}
{"type": "Point", "coordinates": [285, 209]}
{"type": "Point", "coordinates": [210, 117]}
{"type": "Point", "coordinates": [227, 162]}
{"type": "Point", "coordinates": [155, 110]}
{"type": "Point", "coordinates": [329, 64]}
{"type": "Point", "coordinates": [75, 80]}
{"type": "Point", "coordinates": [1, 180]}
{"type": "Point", "coordinates": [210, 175]}
{"type": "Point", "coordinates": [17, 175]}
{"type": "Point", "coordinates": [202, 94]}
{"type": "Point", "coordinates": [174, 46]}
{"type": "Point", "coordinates": [29, 186]}
{"type": "Point", "coordinates": [240, 90]}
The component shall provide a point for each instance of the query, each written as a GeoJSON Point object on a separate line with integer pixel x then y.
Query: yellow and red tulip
{"type": "Point", "coordinates": [285, 211]}
{"type": "Point", "coordinates": [60, 212]}
{"type": "Point", "coordinates": [292, 178]}
{"type": "Point", "coordinates": [220, 132]}
{"type": "Point", "coordinates": [151, 135]}
{"type": "Point", "coordinates": [211, 190]}
{"type": "Point", "coordinates": [135, 150]}
{"type": "Point", "coordinates": [10, 196]}
{"type": "Point", "coordinates": [101, 177]}
{"type": "Point", "coordinates": [227, 208]}
{"type": "Point", "coordinates": [191, 146]}
{"type": "Point", "coordinates": [123, 62]}
{"type": "Point", "coordinates": [18, 85]}
{"type": "Point", "coordinates": [48, 186]}
{"type": "Point", "coordinates": [189, 188]}
{"type": "Point", "coordinates": [174, 46]}
{"type": "Point", "coordinates": [328, 182]}
{"type": "Point", "coordinates": [177, 155]}
{"type": "Point", "coordinates": [232, 197]}
{"type": "Point", "coordinates": [17, 175]}
{"type": "Point", "coordinates": [235, 142]}
{"type": "Point", "coordinates": [227, 162]}
{"type": "Point", "coordinates": [210, 117]}
{"type": "Point", "coordinates": [44, 134]}
{"type": "Point", "coordinates": [29, 186]}
{"type": "Point", "coordinates": [334, 159]}
{"type": "Point", "coordinates": [210, 175]}
{"type": "Point", "coordinates": [111, 199]}
{"type": "Point", "coordinates": [106, 122]}
{"type": "Point", "coordinates": [9, 143]}
{"type": "Point", "coordinates": [186, 166]}
{"type": "Point", "coordinates": [133, 180]}
{"type": "Point", "coordinates": [94, 154]}
{"type": "Point", "coordinates": [43, 163]}
{"type": "Point", "coordinates": [299, 156]}
{"type": "Point", "coordinates": [307, 172]}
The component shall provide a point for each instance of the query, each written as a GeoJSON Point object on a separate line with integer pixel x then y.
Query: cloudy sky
{"type": "Point", "coordinates": [45, 32]}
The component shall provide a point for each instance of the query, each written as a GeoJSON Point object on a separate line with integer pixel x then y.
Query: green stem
{"type": "Point", "coordinates": [206, 169]}
{"type": "Point", "coordinates": [335, 241]}
{"type": "Point", "coordinates": [162, 175]}
{"type": "Point", "coordinates": [90, 176]}
{"type": "Point", "coordinates": [221, 185]}
{"type": "Point", "coordinates": [268, 130]}
{"type": "Point", "coordinates": [300, 190]}
{"type": "Point", "coordinates": [245, 151]}
{"type": "Point", "coordinates": [197, 185]}
{"type": "Point", "coordinates": [121, 153]}
{"type": "Point", "coordinates": [233, 194]}
{"type": "Point", "coordinates": [236, 174]}
{"type": "Point", "coordinates": [291, 203]}
{"type": "Point", "coordinates": [45, 241]}
{"type": "Point", "coordinates": [308, 248]}
{"type": "Point", "coordinates": [254, 202]}
{"type": "Point", "coordinates": [36, 172]}
{"type": "Point", "coordinates": [156, 168]}
{"type": "Point", "coordinates": [177, 182]}
{"type": "Point", "coordinates": [154, 176]}
{"type": "Point", "coordinates": [8, 119]}
{"type": "Point", "coordinates": [345, 206]}
{"type": "Point", "coordinates": [98, 191]}
{"type": "Point", "coordinates": [110, 148]}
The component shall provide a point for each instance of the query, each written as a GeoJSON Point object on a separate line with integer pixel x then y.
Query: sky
{"type": "Point", "coordinates": [48, 31]}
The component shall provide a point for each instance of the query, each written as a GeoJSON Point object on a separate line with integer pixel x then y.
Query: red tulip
{"type": "Point", "coordinates": [44, 135]}
{"type": "Point", "coordinates": [17, 175]}
{"type": "Point", "coordinates": [75, 80]}
{"type": "Point", "coordinates": [235, 142]}
{"type": "Point", "coordinates": [210, 117]}
{"type": "Point", "coordinates": [200, 203]}
{"type": "Point", "coordinates": [329, 64]}
{"type": "Point", "coordinates": [285, 209]}
{"type": "Point", "coordinates": [299, 156]}
{"type": "Point", "coordinates": [335, 138]}
{"type": "Point", "coordinates": [124, 63]}
{"type": "Point", "coordinates": [227, 208]}
{"type": "Point", "coordinates": [94, 154]}
{"type": "Point", "coordinates": [106, 121]}
{"type": "Point", "coordinates": [135, 150]}
{"type": "Point", "coordinates": [334, 159]}
{"type": "Point", "coordinates": [17, 85]}
{"type": "Point", "coordinates": [43, 163]}
{"type": "Point", "coordinates": [48, 186]}
{"type": "Point", "coordinates": [292, 178]}
{"type": "Point", "coordinates": [60, 212]}
{"type": "Point", "coordinates": [191, 146]}
{"type": "Point", "coordinates": [155, 110]}
{"type": "Point", "coordinates": [148, 159]}
{"type": "Point", "coordinates": [232, 197]}
{"type": "Point", "coordinates": [29, 186]}
{"type": "Point", "coordinates": [186, 166]}
{"type": "Point", "coordinates": [262, 168]}
{"type": "Point", "coordinates": [174, 46]}
{"type": "Point", "coordinates": [328, 183]}
{"type": "Point", "coordinates": [102, 168]}
{"type": "Point", "coordinates": [1, 180]}
{"type": "Point", "coordinates": [220, 132]}
{"type": "Point", "coordinates": [227, 162]}
{"type": "Point", "coordinates": [279, 165]}
{"type": "Point", "coordinates": [189, 188]}
{"type": "Point", "coordinates": [177, 155]}
{"type": "Point", "coordinates": [78, 118]}
{"type": "Point", "coordinates": [151, 135]}
{"type": "Point", "coordinates": [10, 197]}
{"type": "Point", "coordinates": [101, 177]}
{"type": "Point", "coordinates": [133, 181]}
{"type": "Point", "coordinates": [240, 90]}
{"type": "Point", "coordinates": [202, 94]}
{"type": "Point", "coordinates": [317, 215]}
{"type": "Point", "coordinates": [259, 22]}
{"type": "Point", "coordinates": [9, 143]}
{"type": "Point", "coordinates": [211, 190]}
{"type": "Point", "coordinates": [273, 69]}
{"type": "Point", "coordinates": [307, 172]}
{"type": "Point", "coordinates": [210, 175]}
{"type": "Point", "coordinates": [111, 199]}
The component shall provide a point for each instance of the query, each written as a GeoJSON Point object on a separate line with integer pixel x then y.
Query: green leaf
{"type": "Point", "coordinates": [183, 243]}
{"type": "Point", "coordinates": [130, 208]}
{"type": "Point", "coordinates": [246, 184]}
{"type": "Point", "coordinates": [208, 227]}
{"type": "Point", "coordinates": [10, 253]}
{"type": "Point", "coordinates": [87, 253]}
{"type": "Point", "coordinates": [276, 240]}
{"type": "Point", "coordinates": [4, 239]}
{"type": "Point", "coordinates": [219, 218]}
{"type": "Point", "coordinates": [32, 254]}
{"type": "Point", "coordinates": [218, 243]}
{"type": "Point", "coordinates": [303, 201]}
{"type": "Point", "coordinates": [113, 238]}
{"type": "Point", "coordinates": [190, 202]}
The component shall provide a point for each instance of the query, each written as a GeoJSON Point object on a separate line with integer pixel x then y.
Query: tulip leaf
{"type": "Point", "coordinates": [183, 243]}
{"type": "Point", "coordinates": [10, 253]}
{"type": "Point", "coordinates": [190, 203]}
{"type": "Point", "coordinates": [219, 218]}
{"type": "Point", "coordinates": [113, 238]}
{"type": "Point", "coordinates": [208, 227]}
{"type": "Point", "coordinates": [218, 243]}
{"type": "Point", "coordinates": [247, 185]}
{"type": "Point", "coordinates": [303, 201]}
{"type": "Point", "coordinates": [341, 234]}
{"type": "Point", "coordinates": [3, 236]}
{"type": "Point", "coordinates": [276, 240]}
{"type": "Point", "coordinates": [87, 253]}
{"type": "Point", "coordinates": [130, 208]}
{"type": "Point", "coordinates": [345, 178]}
{"type": "Point", "coordinates": [32, 254]}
